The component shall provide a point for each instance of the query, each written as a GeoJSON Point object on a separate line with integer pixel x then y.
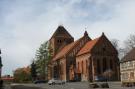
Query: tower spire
{"type": "Point", "coordinates": [85, 33]}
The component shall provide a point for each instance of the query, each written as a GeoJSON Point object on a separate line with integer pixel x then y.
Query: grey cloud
{"type": "Point", "coordinates": [26, 24]}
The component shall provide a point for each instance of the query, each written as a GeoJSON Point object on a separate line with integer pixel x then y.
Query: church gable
{"type": "Point", "coordinates": [104, 46]}
{"type": "Point", "coordinates": [61, 32]}
{"type": "Point", "coordinates": [60, 39]}
{"type": "Point", "coordinates": [98, 46]}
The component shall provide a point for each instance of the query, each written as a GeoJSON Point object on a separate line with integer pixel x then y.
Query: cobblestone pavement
{"type": "Point", "coordinates": [20, 86]}
{"type": "Point", "coordinates": [82, 85]}
{"type": "Point", "coordinates": [75, 85]}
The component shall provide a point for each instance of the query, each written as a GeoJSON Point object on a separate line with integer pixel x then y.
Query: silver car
{"type": "Point", "coordinates": [56, 81]}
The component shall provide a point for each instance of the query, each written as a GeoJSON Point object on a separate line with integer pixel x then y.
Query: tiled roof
{"type": "Point", "coordinates": [88, 46]}
{"type": "Point", "coordinates": [129, 56]}
{"type": "Point", "coordinates": [65, 50]}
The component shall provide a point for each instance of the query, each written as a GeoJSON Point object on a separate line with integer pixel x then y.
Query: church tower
{"type": "Point", "coordinates": [59, 39]}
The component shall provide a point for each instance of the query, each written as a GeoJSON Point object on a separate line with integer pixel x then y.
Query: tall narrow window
{"type": "Point", "coordinates": [78, 67]}
{"type": "Point", "coordinates": [82, 68]}
{"type": "Point", "coordinates": [111, 64]}
{"type": "Point", "coordinates": [86, 66]}
{"type": "Point", "coordinates": [98, 66]}
{"type": "Point", "coordinates": [61, 68]}
{"type": "Point", "coordinates": [104, 64]}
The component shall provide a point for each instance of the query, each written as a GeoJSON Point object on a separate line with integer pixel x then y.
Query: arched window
{"type": "Point", "coordinates": [111, 64]}
{"type": "Point", "coordinates": [82, 68]}
{"type": "Point", "coordinates": [78, 66]}
{"type": "Point", "coordinates": [86, 65]}
{"type": "Point", "coordinates": [59, 41]}
{"type": "Point", "coordinates": [104, 64]}
{"type": "Point", "coordinates": [98, 66]}
{"type": "Point", "coordinates": [61, 68]}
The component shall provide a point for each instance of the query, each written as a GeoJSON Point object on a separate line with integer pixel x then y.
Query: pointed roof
{"type": "Point", "coordinates": [91, 44]}
{"type": "Point", "coordinates": [88, 46]}
{"type": "Point", "coordinates": [61, 32]}
{"type": "Point", "coordinates": [85, 33]}
{"type": "Point", "coordinates": [130, 56]}
{"type": "Point", "coordinates": [64, 51]}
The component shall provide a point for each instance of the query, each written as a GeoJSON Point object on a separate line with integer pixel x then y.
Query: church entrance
{"type": "Point", "coordinates": [78, 77]}
{"type": "Point", "coordinates": [56, 72]}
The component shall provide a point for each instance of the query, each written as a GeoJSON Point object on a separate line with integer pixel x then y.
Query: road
{"type": "Point", "coordinates": [75, 85]}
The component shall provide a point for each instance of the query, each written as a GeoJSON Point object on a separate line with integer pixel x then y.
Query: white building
{"type": "Point", "coordinates": [127, 67]}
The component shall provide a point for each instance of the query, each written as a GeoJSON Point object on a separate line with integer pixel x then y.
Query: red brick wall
{"type": "Point", "coordinates": [83, 66]}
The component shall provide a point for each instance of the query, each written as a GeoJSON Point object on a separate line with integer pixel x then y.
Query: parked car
{"type": "Point", "coordinates": [51, 82]}
{"type": "Point", "coordinates": [56, 81]}
{"type": "Point", "coordinates": [40, 81]}
{"type": "Point", "coordinates": [100, 79]}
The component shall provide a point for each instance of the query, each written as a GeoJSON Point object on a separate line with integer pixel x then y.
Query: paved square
{"type": "Point", "coordinates": [77, 85]}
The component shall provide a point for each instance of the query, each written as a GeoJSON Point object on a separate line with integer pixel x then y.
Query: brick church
{"type": "Point", "coordinates": [83, 59]}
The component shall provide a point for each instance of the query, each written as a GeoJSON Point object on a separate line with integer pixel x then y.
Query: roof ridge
{"type": "Point", "coordinates": [59, 28]}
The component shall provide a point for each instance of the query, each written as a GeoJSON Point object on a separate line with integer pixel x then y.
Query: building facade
{"type": "Point", "coordinates": [127, 67]}
{"type": "Point", "coordinates": [83, 59]}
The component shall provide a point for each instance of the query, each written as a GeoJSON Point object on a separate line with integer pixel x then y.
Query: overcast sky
{"type": "Point", "coordinates": [25, 24]}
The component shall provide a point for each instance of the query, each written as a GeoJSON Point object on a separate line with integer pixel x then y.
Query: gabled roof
{"type": "Point", "coordinates": [91, 44]}
{"type": "Point", "coordinates": [88, 46]}
{"type": "Point", "coordinates": [129, 56]}
{"type": "Point", "coordinates": [65, 50]}
{"type": "Point", "coordinates": [61, 32]}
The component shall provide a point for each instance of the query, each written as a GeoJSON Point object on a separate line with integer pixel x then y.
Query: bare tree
{"type": "Point", "coordinates": [115, 43]}
{"type": "Point", "coordinates": [129, 43]}
{"type": "Point", "coordinates": [120, 50]}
